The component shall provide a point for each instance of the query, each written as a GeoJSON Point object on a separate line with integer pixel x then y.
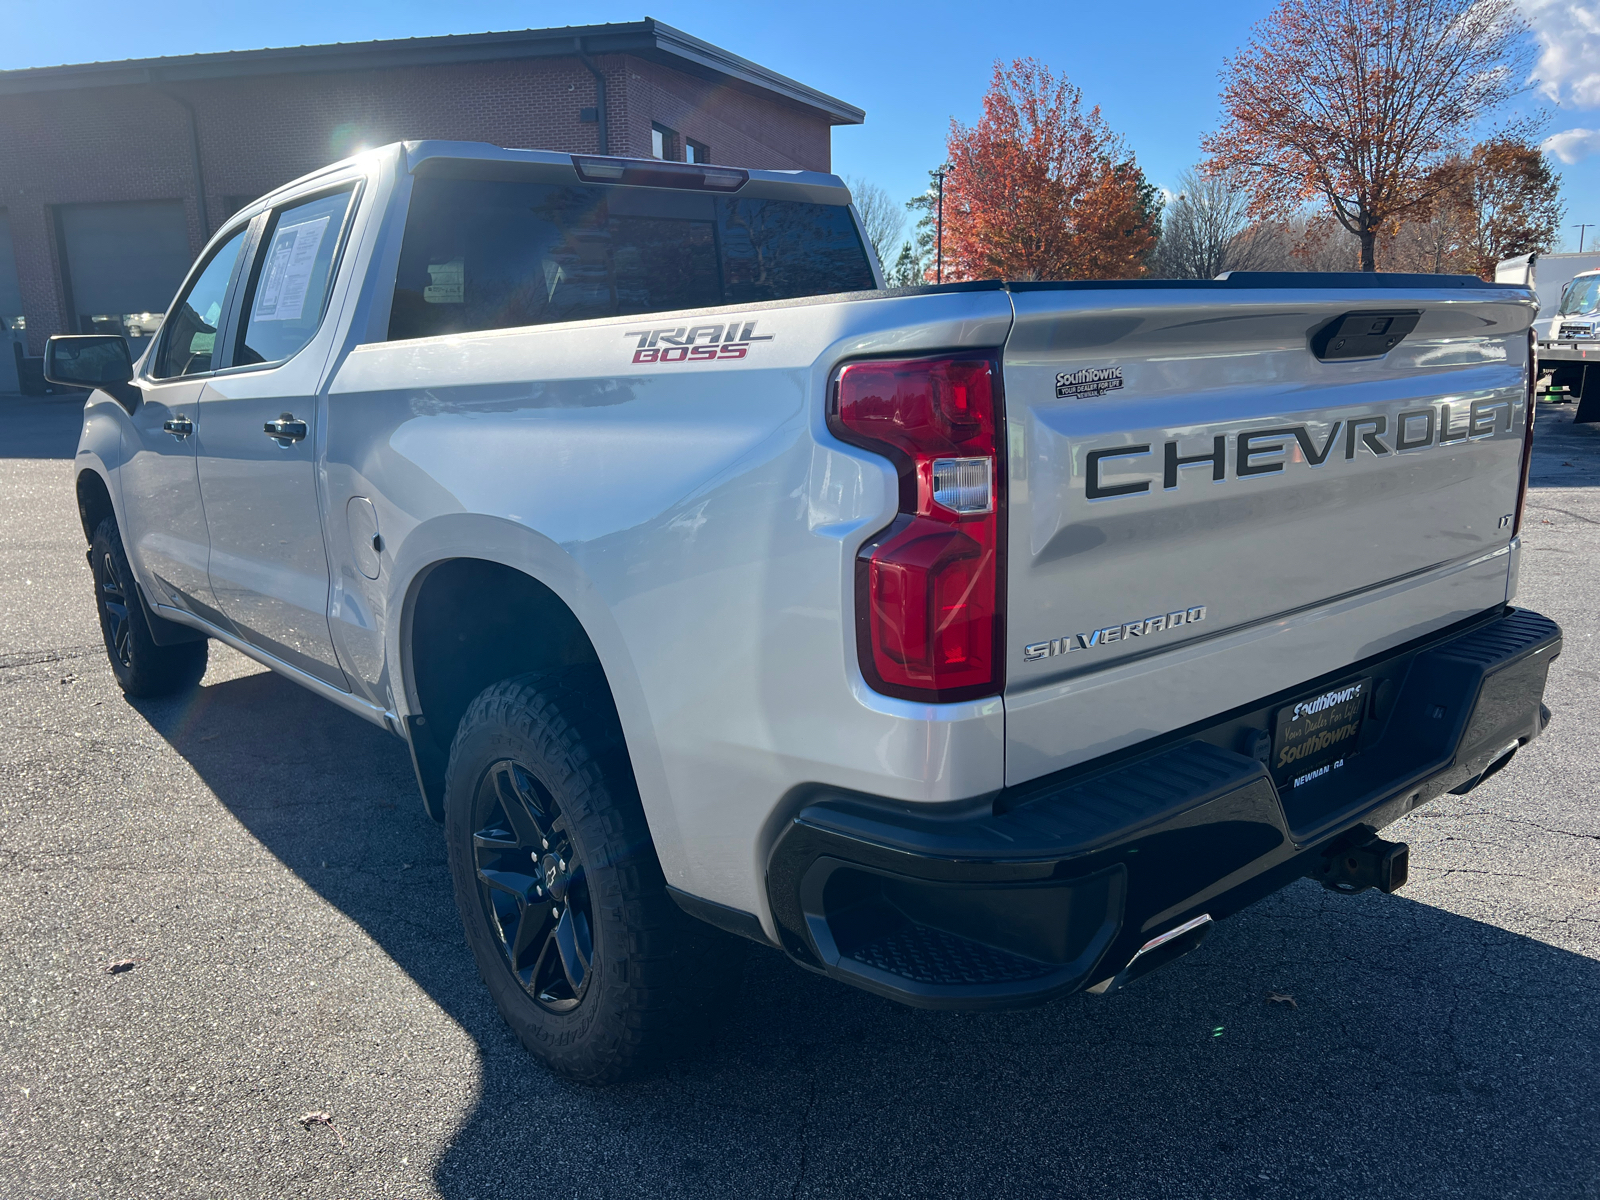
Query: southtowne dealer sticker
{"type": "Point", "coordinates": [1315, 734]}
{"type": "Point", "coordinates": [1087, 383]}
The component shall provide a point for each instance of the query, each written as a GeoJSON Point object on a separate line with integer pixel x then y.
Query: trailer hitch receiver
{"type": "Point", "coordinates": [1373, 864]}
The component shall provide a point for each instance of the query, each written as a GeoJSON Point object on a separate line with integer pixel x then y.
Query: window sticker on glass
{"type": "Point", "coordinates": [290, 261]}
{"type": "Point", "coordinates": [448, 282]}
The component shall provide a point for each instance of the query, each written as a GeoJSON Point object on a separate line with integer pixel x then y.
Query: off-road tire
{"type": "Point", "coordinates": [142, 668]}
{"type": "Point", "coordinates": [658, 978]}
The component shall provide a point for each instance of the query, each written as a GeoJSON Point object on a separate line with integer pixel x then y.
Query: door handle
{"type": "Point", "coordinates": [179, 427]}
{"type": "Point", "coordinates": [286, 430]}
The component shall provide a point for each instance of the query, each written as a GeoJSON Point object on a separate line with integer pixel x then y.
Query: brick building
{"type": "Point", "coordinates": [113, 175]}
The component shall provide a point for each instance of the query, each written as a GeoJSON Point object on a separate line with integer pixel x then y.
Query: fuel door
{"type": "Point", "coordinates": [363, 521]}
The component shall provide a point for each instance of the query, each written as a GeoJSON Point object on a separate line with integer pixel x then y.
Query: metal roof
{"type": "Point", "coordinates": [648, 39]}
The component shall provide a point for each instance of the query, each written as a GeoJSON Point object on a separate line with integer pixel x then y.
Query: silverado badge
{"type": "Point", "coordinates": [1123, 632]}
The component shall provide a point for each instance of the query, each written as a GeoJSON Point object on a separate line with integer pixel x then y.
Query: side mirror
{"type": "Point", "coordinates": [88, 360]}
{"type": "Point", "coordinates": [92, 360]}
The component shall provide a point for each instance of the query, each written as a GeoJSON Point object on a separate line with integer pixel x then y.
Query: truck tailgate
{"type": "Point", "coordinates": [1202, 512]}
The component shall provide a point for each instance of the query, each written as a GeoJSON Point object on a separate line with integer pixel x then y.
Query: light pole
{"type": "Point", "coordinates": [938, 268]}
{"type": "Point", "coordinates": [1580, 229]}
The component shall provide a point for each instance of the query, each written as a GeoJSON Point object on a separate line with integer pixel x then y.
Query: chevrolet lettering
{"type": "Point", "coordinates": [1266, 451]}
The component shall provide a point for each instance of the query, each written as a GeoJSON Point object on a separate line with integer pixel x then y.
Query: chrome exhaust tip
{"type": "Point", "coordinates": [1156, 953]}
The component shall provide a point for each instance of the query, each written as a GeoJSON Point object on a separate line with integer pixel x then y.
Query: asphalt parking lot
{"type": "Point", "coordinates": [262, 859]}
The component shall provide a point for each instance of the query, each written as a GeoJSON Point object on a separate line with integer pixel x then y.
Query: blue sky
{"type": "Point", "coordinates": [1152, 67]}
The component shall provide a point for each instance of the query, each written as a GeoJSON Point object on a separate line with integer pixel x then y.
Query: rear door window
{"type": "Point", "coordinates": [291, 278]}
{"type": "Point", "coordinates": [493, 254]}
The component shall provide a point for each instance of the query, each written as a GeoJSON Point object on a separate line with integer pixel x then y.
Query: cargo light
{"type": "Point", "coordinates": [929, 612]}
{"type": "Point", "coordinates": [1527, 435]}
{"type": "Point", "coordinates": [649, 172]}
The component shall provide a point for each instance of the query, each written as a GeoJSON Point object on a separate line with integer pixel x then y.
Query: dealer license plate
{"type": "Point", "coordinates": [1316, 733]}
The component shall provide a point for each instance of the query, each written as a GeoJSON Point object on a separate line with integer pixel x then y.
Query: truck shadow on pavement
{"type": "Point", "coordinates": [1565, 454]}
{"type": "Point", "coordinates": [1423, 1053]}
{"type": "Point", "coordinates": [40, 426]}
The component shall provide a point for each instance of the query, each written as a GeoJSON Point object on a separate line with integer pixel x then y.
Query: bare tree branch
{"type": "Point", "coordinates": [885, 220]}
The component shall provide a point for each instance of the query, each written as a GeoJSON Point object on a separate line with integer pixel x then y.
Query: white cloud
{"type": "Point", "coordinates": [1568, 70]}
{"type": "Point", "coordinates": [1572, 145]}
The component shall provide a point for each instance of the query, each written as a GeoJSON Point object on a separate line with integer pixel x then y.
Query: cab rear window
{"type": "Point", "coordinates": [493, 254]}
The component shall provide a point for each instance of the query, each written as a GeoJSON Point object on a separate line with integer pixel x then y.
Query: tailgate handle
{"type": "Point", "coordinates": [1366, 334]}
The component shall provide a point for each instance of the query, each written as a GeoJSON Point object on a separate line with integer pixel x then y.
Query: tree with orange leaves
{"type": "Point", "coordinates": [1041, 189]}
{"type": "Point", "coordinates": [1358, 101]}
{"type": "Point", "coordinates": [1501, 200]}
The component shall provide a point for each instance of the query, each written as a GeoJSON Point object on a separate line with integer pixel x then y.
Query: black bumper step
{"type": "Point", "coordinates": [1049, 887]}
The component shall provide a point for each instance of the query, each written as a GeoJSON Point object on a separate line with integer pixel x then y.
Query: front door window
{"type": "Point", "coordinates": [191, 335]}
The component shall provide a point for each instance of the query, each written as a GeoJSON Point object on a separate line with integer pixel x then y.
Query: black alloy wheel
{"type": "Point", "coordinates": [594, 967]}
{"type": "Point", "coordinates": [142, 666]}
{"type": "Point", "coordinates": [114, 611]}
{"type": "Point", "coordinates": [533, 887]}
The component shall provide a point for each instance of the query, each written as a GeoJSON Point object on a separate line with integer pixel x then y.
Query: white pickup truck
{"type": "Point", "coordinates": [974, 645]}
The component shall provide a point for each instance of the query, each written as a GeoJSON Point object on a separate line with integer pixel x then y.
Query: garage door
{"type": "Point", "coordinates": [124, 263]}
{"type": "Point", "coordinates": [10, 293]}
{"type": "Point", "coordinates": [10, 307]}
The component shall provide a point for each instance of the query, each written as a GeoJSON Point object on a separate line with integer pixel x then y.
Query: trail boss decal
{"type": "Point", "coordinates": [1087, 383]}
{"type": "Point", "coordinates": [695, 343]}
{"type": "Point", "coordinates": [1252, 451]}
{"type": "Point", "coordinates": [1124, 632]}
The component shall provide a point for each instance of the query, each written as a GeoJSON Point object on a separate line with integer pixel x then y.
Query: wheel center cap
{"type": "Point", "coordinates": [555, 879]}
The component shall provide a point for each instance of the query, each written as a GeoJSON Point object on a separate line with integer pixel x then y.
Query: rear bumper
{"type": "Point", "coordinates": [1054, 886]}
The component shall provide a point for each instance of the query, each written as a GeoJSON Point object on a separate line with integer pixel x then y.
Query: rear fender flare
{"type": "Point", "coordinates": [494, 539]}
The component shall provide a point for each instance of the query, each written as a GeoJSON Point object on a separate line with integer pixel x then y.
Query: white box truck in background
{"type": "Point", "coordinates": [1567, 328]}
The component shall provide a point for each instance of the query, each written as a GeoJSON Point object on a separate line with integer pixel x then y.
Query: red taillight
{"type": "Point", "coordinates": [1527, 433]}
{"type": "Point", "coordinates": [929, 618]}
